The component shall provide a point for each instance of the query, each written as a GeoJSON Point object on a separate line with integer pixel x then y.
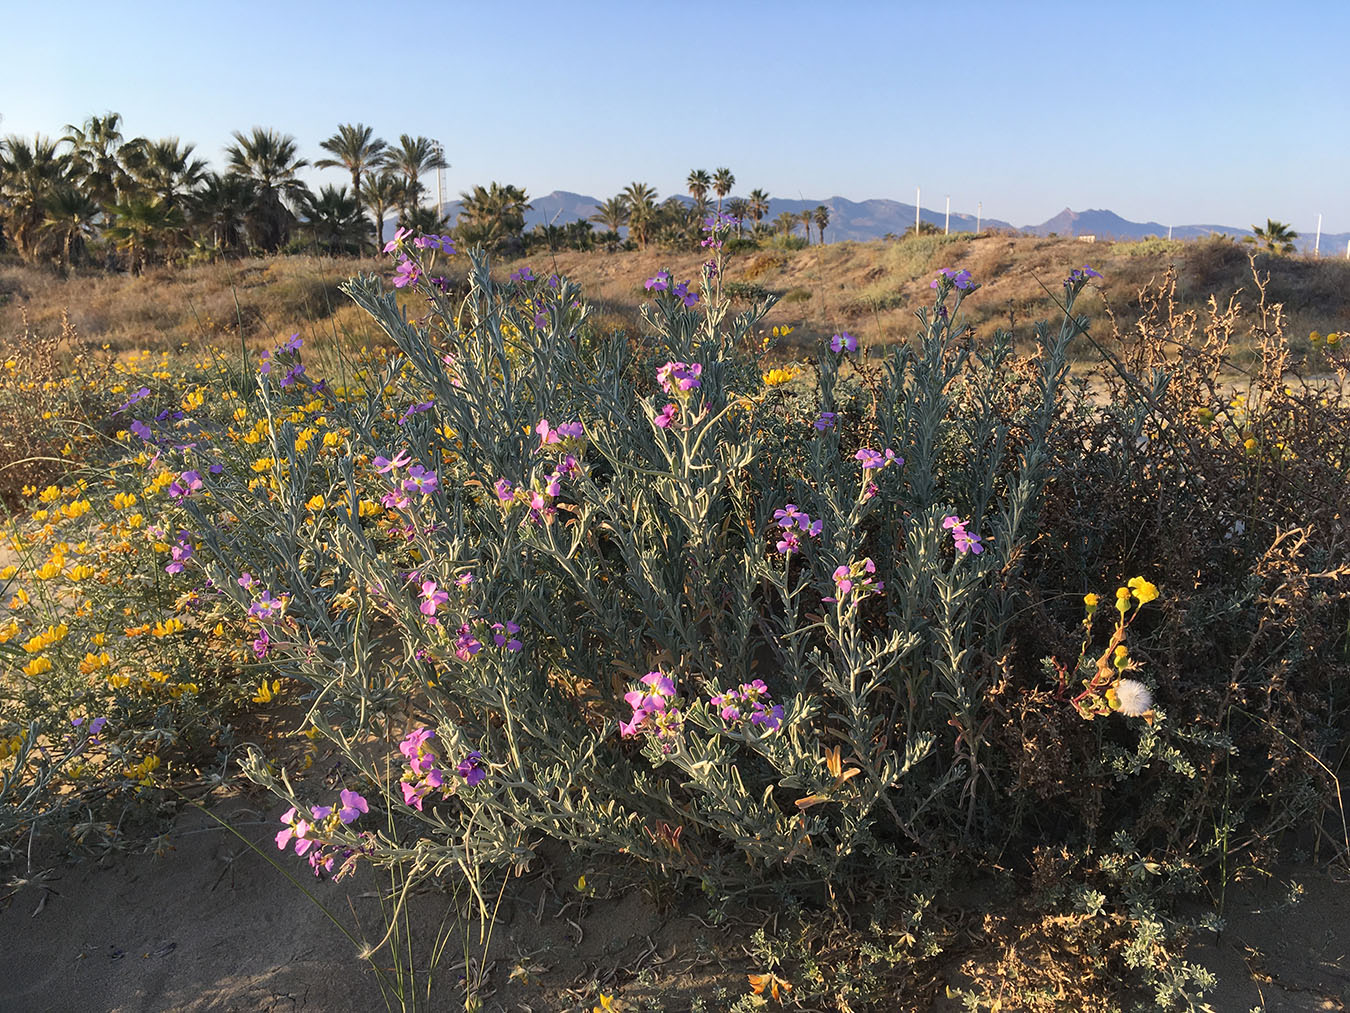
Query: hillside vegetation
{"type": "Point", "coordinates": [868, 289]}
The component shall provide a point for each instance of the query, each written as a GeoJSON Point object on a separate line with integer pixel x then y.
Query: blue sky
{"type": "Point", "coordinates": [1180, 112]}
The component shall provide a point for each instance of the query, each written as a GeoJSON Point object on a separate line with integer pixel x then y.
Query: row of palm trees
{"type": "Point", "coordinates": [674, 222]}
{"type": "Point", "coordinates": [138, 201]}
{"type": "Point", "coordinates": [149, 200]}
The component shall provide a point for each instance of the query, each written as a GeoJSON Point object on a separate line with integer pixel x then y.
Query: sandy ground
{"type": "Point", "coordinates": [213, 926]}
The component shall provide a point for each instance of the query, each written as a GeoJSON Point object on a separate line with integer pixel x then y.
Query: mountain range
{"type": "Point", "coordinates": [879, 217]}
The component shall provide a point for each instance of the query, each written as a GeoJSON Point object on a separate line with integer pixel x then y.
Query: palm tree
{"type": "Point", "coordinates": [221, 206]}
{"type": "Point", "coordinates": [97, 155]}
{"type": "Point", "coordinates": [807, 218]}
{"type": "Point", "coordinates": [164, 168]}
{"type": "Point", "coordinates": [334, 219]}
{"type": "Point", "coordinates": [1276, 237]}
{"type": "Point", "coordinates": [355, 148]}
{"type": "Point", "coordinates": [493, 216]}
{"type": "Point", "coordinates": [141, 228]}
{"type": "Point", "coordinates": [412, 157]}
{"type": "Point", "coordinates": [29, 173]}
{"type": "Point", "coordinates": [822, 217]}
{"type": "Point", "coordinates": [272, 161]}
{"type": "Point", "coordinates": [381, 191]}
{"type": "Point", "coordinates": [739, 208]}
{"type": "Point", "coordinates": [70, 217]}
{"type": "Point", "coordinates": [641, 202]}
{"type": "Point", "coordinates": [613, 214]}
{"type": "Point", "coordinates": [759, 205]}
{"type": "Point", "coordinates": [698, 183]}
{"type": "Point", "coordinates": [723, 181]}
{"type": "Point", "coordinates": [786, 222]}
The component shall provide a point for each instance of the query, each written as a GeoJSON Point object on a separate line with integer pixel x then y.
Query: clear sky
{"type": "Point", "coordinates": [1183, 112]}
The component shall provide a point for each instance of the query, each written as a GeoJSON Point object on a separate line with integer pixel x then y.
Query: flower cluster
{"type": "Point", "coordinates": [425, 776]}
{"type": "Point", "coordinates": [857, 581]}
{"type": "Point", "coordinates": [419, 480]}
{"type": "Point", "coordinates": [792, 520]}
{"type": "Point", "coordinates": [680, 377]}
{"type": "Point", "coordinates": [958, 279]}
{"type": "Point", "coordinates": [656, 711]}
{"type": "Point", "coordinates": [661, 282]}
{"type": "Point", "coordinates": [964, 541]}
{"type": "Point", "coordinates": [749, 703]}
{"type": "Point", "coordinates": [873, 461]}
{"type": "Point", "coordinates": [309, 833]}
{"type": "Point", "coordinates": [1079, 276]}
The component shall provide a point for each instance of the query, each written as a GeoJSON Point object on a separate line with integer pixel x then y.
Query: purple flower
{"type": "Point", "coordinates": [432, 598]}
{"type": "Point", "coordinates": [682, 376]}
{"type": "Point", "coordinates": [875, 459]}
{"type": "Point", "coordinates": [962, 539]}
{"type": "Point", "coordinates": [443, 243]}
{"type": "Point", "coordinates": [789, 515]}
{"type": "Point", "coordinates": [293, 374]}
{"type": "Point", "coordinates": [96, 725]}
{"type": "Point", "coordinates": [421, 406]}
{"type": "Point", "coordinates": [415, 742]}
{"type": "Point", "coordinates": [789, 543]}
{"type": "Point", "coordinates": [260, 644]}
{"type": "Point", "coordinates": [826, 421]}
{"type": "Point", "coordinates": [140, 429]}
{"type": "Point", "coordinates": [466, 644]}
{"type": "Point", "coordinates": [407, 274]}
{"type": "Point", "coordinates": [503, 635]}
{"type": "Point", "coordinates": [505, 490]}
{"type": "Point", "coordinates": [140, 395]}
{"type": "Point", "coordinates": [666, 416]}
{"type": "Point", "coordinates": [659, 283]}
{"type": "Point", "coordinates": [384, 465]}
{"type": "Point", "coordinates": [1080, 276]}
{"type": "Point", "coordinates": [959, 279]}
{"type": "Point", "coordinates": [185, 485]}
{"type": "Point", "coordinates": [843, 342]}
{"type": "Point", "coordinates": [353, 805]}
{"type": "Point", "coordinates": [420, 480]}
{"type": "Point", "coordinates": [471, 768]}
{"type": "Point", "coordinates": [465, 579]}
{"type": "Point", "coordinates": [399, 236]}
{"type": "Point", "coordinates": [681, 292]}
{"type": "Point", "coordinates": [655, 712]}
{"type": "Point", "coordinates": [524, 274]}
{"type": "Point", "coordinates": [293, 345]}
{"type": "Point", "coordinates": [245, 580]}
{"type": "Point", "coordinates": [749, 702]}
{"type": "Point", "coordinates": [180, 554]}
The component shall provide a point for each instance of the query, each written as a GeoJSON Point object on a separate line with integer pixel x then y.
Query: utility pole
{"type": "Point", "coordinates": [440, 180]}
{"type": "Point", "coordinates": [916, 210]}
{"type": "Point", "coordinates": [947, 222]}
{"type": "Point", "coordinates": [979, 211]}
{"type": "Point", "coordinates": [1317, 243]}
{"type": "Point", "coordinates": [1169, 233]}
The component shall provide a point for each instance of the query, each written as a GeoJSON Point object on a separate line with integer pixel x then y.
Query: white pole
{"type": "Point", "coordinates": [979, 211]}
{"type": "Point", "coordinates": [1169, 233]}
{"type": "Point", "coordinates": [1347, 249]}
{"type": "Point", "coordinates": [1317, 243]}
{"type": "Point", "coordinates": [916, 210]}
{"type": "Point", "coordinates": [440, 176]}
{"type": "Point", "coordinates": [947, 222]}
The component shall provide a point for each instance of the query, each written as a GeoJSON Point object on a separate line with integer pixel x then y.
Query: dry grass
{"type": "Point", "coordinates": [870, 289]}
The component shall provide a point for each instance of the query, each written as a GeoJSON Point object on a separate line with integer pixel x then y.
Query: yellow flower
{"type": "Point", "coordinates": [37, 666]}
{"type": "Point", "coordinates": [1122, 600]}
{"type": "Point", "coordinates": [266, 693]}
{"type": "Point", "coordinates": [315, 503]}
{"type": "Point", "coordinates": [774, 377]}
{"type": "Point", "coordinates": [1091, 601]}
{"type": "Point", "coordinates": [760, 983]}
{"type": "Point", "coordinates": [1314, 338]}
{"type": "Point", "coordinates": [1143, 591]}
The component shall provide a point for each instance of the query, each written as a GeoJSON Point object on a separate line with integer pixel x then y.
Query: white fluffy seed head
{"type": "Point", "coordinates": [1134, 697]}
